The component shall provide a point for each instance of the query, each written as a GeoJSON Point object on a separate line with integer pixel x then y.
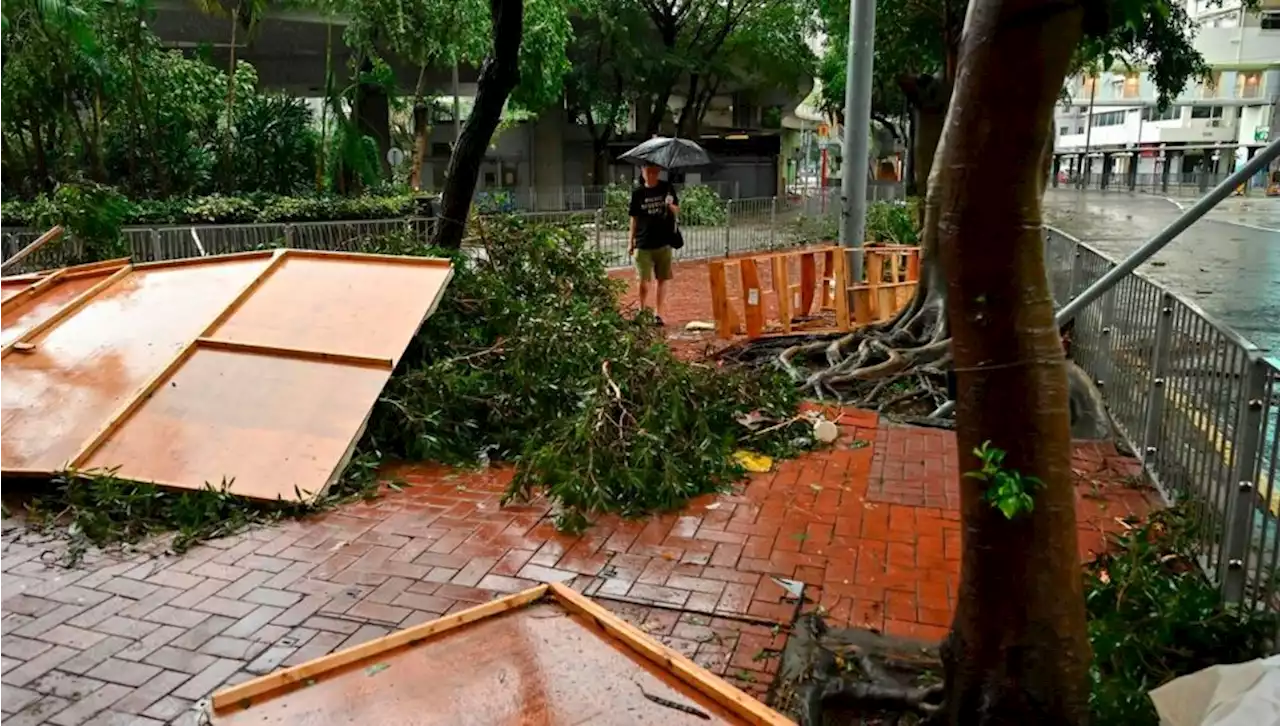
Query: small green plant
{"type": "Point", "coordinates": [1007, 490]}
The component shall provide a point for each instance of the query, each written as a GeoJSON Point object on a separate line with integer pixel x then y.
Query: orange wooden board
{"type": "Point", "coordinates": [13, 287]}
{"type": "Point", "coordinates": [273, 426]}
{"type": "Point", "coordinates": [542, 663]}
{"type": "Point", "coordinates": [55, 398]}
{"type": "Point", "coordinates": [181, 374]}
{"type": "Point", "coordinates": [368, 307]}
{"type": "Point", "coordinates": [26, 314]}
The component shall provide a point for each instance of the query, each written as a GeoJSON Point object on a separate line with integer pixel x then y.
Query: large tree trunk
{"type": "Point", "coordinates": [498, 76]}
{"type": "Point", "coordinates": [1018, 650]}
{"type": "Point", "coordinates": [421, 142]}
{"type": "Point", "coordinates": [373, 117]}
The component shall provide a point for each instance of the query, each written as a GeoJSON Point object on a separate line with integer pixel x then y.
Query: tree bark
{"type": "Point", "coordinates": [421, 134]}
{"type": "Point", "coordinates": [373, 117]}
{"type": "Point", "coordinates": [498, 76]}
{"type": "Point", "coordinates": [1018, 650]}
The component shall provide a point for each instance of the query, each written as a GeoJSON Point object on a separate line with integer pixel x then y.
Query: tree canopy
{"type": "Point", "coordinates": [916, 37]}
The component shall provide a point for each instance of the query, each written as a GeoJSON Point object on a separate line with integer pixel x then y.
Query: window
{"type": "Point", "coordinates": [1248, 84]}
{"type": "Point", "coordinates": [1110, 118]}
{"type": "Point", "coordinates": [1064, 130]}
{"type": "Point", "coordinates": [1079, 129]}
{"type": "Point", "coordinates": [1130, 85]}
{"type": "Point", "coordinates": [1206, 112]}
{"type": "Point", "coordinates": [1169, 114]}
{"type": "Point", "coordinates": [1209, 85]}
{"type": "Point", "coordinates": [1271, 21]}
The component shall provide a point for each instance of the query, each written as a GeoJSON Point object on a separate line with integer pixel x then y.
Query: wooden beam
{"type": "Point", "coordinates": [243, 694]}
{"type": "Point", "coordinates": [707, 683]}
{"type": "Point", "coordinates": [73, 305]}
{"type": "Point", "coordinates": [752, 298]}
{"type": "Point", "coordinates": [39, 242]}
{"type": "Point", "coordinates": [233, 346]}
{"type": "Point", "coordinates": [213, 260]}
{"type": "Point", "coordinates": [371, 257]}
{"type": "Point", "coordinates": [32, 289]}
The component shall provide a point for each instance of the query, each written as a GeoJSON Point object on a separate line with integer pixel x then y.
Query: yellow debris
{"type": "Point", "coordinates": [753, 462]}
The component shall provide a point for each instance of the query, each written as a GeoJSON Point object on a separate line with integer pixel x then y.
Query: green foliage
{"type": "Point", "coordinates": [894, 222]}
{"type": "Point", "coordinates": [611, 422]}
{"type": "Point", "coordinates": [219, 209]}
{"type": "Point", "coordinates": [98, 509]}
{"type": "Point", "coordinates": [274, 144]}
{"type": "Point", "coordinates": [1007, 490]}
{"type": "Point", "coordinates": [91, 214]}
{"type": "Point", "coordinates": [1153, 617]}
{"type": "Point", "coordinates": [617, 202]}
{"type": "Point", "coordinates": [701, 205]}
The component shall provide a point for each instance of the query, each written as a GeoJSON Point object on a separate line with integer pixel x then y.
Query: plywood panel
{"type": "Point", "coordinates": [339, 304]}
{"type": "Point", "coordinates": [536, 665]}
{"type": "Point", "coordinates": [9, 288]}
{"type": "Point", "coordinates": [270, 426]}
{"type": "Point", "coordinates": [26, 314]}
{"type": "Point", "coordinates": [87, 367]}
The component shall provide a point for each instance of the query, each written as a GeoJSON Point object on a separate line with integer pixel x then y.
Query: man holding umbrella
{"type": "Point", "coordinates": [654, 212]}
{"type": "Point", "coordinates": [654, 207]}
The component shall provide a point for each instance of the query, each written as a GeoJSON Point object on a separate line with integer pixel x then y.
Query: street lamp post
{"type": "Point", "coordinates": [857, 129]}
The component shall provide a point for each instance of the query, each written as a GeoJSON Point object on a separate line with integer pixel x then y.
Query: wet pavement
{"type": "Point", "coordinates": [1227, 263]}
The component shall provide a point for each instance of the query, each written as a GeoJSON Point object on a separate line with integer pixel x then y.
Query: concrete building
{"type": "Point", "coordinates": [1110, 132]}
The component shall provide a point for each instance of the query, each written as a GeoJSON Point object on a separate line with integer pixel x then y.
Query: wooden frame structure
{"type": "Point", "coordinates": [231, 311]}
{"type": "Point", "coordinates": [637, 644]}
{"type": "Point", "coordinates": [802, 294]}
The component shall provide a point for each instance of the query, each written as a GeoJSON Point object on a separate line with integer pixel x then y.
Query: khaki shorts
{"type": "Point", "coordinates": [654, 263]}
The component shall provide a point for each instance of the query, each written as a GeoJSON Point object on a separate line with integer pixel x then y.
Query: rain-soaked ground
{"type": "Point", "coordinates": [1228, 263]}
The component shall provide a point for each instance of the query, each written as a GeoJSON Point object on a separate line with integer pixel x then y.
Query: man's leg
{"type": "Point", "coordinates": [644, 270]}
{"type": "Point", "coordinates": [662, 272]}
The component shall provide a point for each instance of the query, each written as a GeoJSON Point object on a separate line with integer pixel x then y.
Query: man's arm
{"type": "Point", "coordinates": [674, 202]}
{"type": "Point", "coordinates": [631, 237]}
{"type": "Point", "coordinates": [635, 211]}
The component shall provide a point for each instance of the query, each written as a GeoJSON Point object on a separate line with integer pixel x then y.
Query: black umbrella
{"type": "Point", "coordinates": [668, 153]}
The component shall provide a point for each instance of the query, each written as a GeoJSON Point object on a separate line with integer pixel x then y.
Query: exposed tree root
{"type": "Point", "coordinates": [899, 367]}
{"type": "Point", "coordinates": [854, 676]}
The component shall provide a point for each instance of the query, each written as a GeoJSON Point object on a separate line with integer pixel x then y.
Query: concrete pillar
{"type": "Point", "coordinates": [1107, 163]}
{"type": "Point", "coordinates": [1165, 162]}
{"type": "Point", "coordinates": [1057, 167]}
{"type": "Point", "coordinates": [547, 156]}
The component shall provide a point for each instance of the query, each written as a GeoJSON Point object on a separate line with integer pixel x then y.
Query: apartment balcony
{"type": "Point", "coordinates": [1242, 45]}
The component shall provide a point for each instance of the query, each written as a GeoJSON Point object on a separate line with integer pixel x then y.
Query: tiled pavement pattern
{"type": "Point", "coordinates": [869, 525]}
{"type": "Point", "coordinates": [863, 524]}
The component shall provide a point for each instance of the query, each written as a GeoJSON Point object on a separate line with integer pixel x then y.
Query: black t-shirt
{"type": "Point", "coordinates": [655, 224]}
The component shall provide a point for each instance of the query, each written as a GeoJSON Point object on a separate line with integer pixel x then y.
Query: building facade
{"type": "Point", "coordinates": [1110, 132]}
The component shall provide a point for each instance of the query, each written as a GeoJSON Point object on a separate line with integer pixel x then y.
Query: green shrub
{"type": "Point", "coordinates": [92, 215]}
{"type": "Point", "coordinates": [1153, 616]}
{"type": "Point", "coordinates": [893, 222]}
{"type": "Point", "coordinates": [220, 209]}
{"type": "Point", "coordinates": [702, 206]}
{"type": "Point", "coordinates": [617, 202]}
{"type": "Point", "coordinates": [611, 422]}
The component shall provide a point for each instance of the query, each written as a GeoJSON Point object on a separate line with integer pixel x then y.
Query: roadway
{"type": "Point", "coordinates": [1228, 263]}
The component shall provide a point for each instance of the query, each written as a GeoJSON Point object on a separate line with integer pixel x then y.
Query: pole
{"type": "Point", "coordinates": [457, 107]}
{"type": "Point", "coordinates": [857, 129]}
{"type": "Point", "coordinates": [1083, 174]}
{"type": "Point", "coordinates": [1156, 243]}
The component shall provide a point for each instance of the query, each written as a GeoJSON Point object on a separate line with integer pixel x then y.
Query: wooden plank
{"type": "Point", "coordinates": [275, 350]}
{"type": "Point", "coordinates": [93, 268]}
{"type": "Point", "coordinates": [875, 279]}
{"type": "Point", "coordinates": [704, 681]}
{"type": "Point", "coordinates": [913, 264]}
{"type": "Point", "coordinates": [371, 257]}
{"type": "Point", "coordinates": [25, 252]}
{"type": "Point", "coordinates": [61, 314]}
{"type": "Point", "coordinates": [210, 260]}
{"type": "Point", "coordinates": [752, 298]}
{"type": "Point", "coordinates": [808, 278]}
{"type": "Point", "coordinates": [720, 300]}
{"type": "Point", "coordinates": [241, 695]}
{"type": "Point", "coordinates": [135, 402]}
{"type": "Point", "coordinates": [840, 275]}
{"type": "Point", "coordinates": [862, 305]}
{"type": "Point", "coordinates": [782, 290]}
{"type": "Point", "coordinates": [828, 295]}
{"type": "Point", "coordinates": [33, 289]}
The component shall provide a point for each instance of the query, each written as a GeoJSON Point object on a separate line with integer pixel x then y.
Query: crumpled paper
{"type": "Point", "coordinates": [1239, 694]}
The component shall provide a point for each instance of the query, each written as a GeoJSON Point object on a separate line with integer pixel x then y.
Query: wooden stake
{"type": "Point", "coordinates": [25, 252]}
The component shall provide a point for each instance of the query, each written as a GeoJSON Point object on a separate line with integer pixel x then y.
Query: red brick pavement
{"type": "Point", "coordinates": [869, 525]}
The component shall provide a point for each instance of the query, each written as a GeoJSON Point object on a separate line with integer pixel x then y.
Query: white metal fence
{"type": "Point", "coordinates": [1200, 405]}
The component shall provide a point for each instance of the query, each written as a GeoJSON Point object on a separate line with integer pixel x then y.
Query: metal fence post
{"type": "Point", "coordinates": [1159, 370]}
{"type": "Point", "coordinates": [728, 224]}
{"type": "Point", "coordinates": [288, 235]}
{"type": "Point", "coordinates": [773, 218]}
{"type": "Point", "coordinates": [599, 227]}
{"type": "Point", "coordinates": [1238, 525]}
{"type": "Point", "coordinates": [1105, 347]}
{"type": "Point", "coordinates": [155, 245]}
{"type": "Point", "coordinates": [1077, 265]}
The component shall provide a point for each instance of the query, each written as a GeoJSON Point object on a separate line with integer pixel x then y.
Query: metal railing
{"type": "Point", "coordinates": [1200, 405]}
{"type": "Point", "coordinates": [742, 225]}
